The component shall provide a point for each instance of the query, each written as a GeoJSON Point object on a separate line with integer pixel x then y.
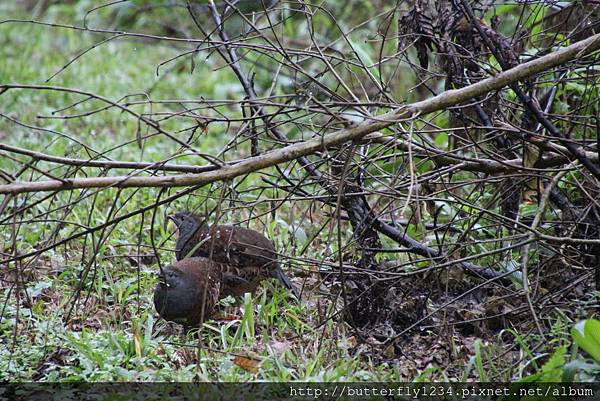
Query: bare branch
{"type": "Point", "coordinates": [291, 152]}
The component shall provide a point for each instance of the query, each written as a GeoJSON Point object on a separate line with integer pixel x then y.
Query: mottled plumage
{"type": "Point", "coordinates": [188, 291]}
{"type": "Point", "coordinates": [246, 256]}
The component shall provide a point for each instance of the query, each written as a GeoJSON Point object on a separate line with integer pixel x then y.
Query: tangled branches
{"type": "Point", "coordinates": [395, 172]}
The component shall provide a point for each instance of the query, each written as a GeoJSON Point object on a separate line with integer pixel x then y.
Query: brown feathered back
{"type": "Point", "coordinates": [248, 256]}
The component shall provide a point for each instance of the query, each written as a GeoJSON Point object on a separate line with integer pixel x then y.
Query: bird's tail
{"type": "Point", "coordinates": [285, 280]}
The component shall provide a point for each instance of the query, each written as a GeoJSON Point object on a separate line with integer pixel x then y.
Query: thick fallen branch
{"type": "Point", "coordinates": [291, 152]}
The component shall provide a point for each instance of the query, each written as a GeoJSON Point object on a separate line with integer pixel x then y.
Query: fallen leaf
{"type": "Point", "coordinates": [248, 364]}
{"type": "Point", "coordinates": [389, 352]}
{"type": "Point", "coordinates": [137, 341]}
{"type": "Point", "coordinates": [226, 317]}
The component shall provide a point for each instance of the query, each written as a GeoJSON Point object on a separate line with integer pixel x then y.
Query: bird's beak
{"type": "Point", "coordinates": [161, 276]}
{"type": "Point", "coordinates": [163, 281]}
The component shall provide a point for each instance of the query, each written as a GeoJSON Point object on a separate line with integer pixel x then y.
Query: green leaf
{"type": "Point", "coordinates": [479, 360]}
{"type": "Point", "coordinates": [441, 139]}
{"type": "Point", "coordinates": [552, 370]}
{"type": "Point", "coordinates": [587, 336]}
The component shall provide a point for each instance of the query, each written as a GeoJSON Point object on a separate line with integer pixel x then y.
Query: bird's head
{"type": "Point", "coordinates": [183, 222]}
{"type": "Point", "coordinates": [171, 277]}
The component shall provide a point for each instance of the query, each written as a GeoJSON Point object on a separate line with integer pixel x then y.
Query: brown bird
{"type": "Point", "coordinates": [246, 256]}
{"type": "Point", "coordinates": [188, 291]}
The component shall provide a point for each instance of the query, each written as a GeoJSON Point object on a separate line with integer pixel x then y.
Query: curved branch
{"type": "Point", "coordinates": [107, 164]}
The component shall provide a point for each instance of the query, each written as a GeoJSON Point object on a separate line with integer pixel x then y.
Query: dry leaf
{"type": "Point", "coordinates": [137, 341]}
{"type": "Point", "coordinates": [389, 352]}
{"type": "Point", "coordinates": [226, 316]}
{"type": "Point", "coordinates": [248, 364]}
